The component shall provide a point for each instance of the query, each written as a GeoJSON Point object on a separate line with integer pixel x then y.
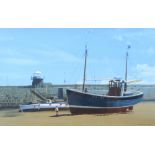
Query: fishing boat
{"type": "Point", "coordinates": [118, 98]}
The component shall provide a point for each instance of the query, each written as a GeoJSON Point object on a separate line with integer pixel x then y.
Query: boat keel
{"type": "Point", "coordinates": [76, 110]}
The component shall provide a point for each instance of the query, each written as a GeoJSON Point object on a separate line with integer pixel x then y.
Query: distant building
{"type": "Point", "coordinates": [37, 79]}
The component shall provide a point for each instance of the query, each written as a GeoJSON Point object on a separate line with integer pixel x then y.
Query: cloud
{"type": "Point", "coordinates": [6, 38]}
{"type": "Point", "coordinates": [56, 55]}
{"type": "Point", "coordinates": [20, 61]}
{"type": "Point", "coordinates": [64, 56]}
{"type": "Point", "coordinates": [119, 37]}
{"type": "Point", "coordinates": [127, 35]}
{"type": "Point", "coordinates": [37, 56]}
{"type": "Point", "coordinates": [151, 50]}
{"type": "Point", "coordinates": [144, 72]}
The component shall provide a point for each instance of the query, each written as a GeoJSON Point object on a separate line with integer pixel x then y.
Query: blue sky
{"type": "Point", "coordinates": [59, 54]}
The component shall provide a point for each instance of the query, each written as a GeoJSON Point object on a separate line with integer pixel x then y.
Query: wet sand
{"type": "Point", "coordinates": [143, 114]}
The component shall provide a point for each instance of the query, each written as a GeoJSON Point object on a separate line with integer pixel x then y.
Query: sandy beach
{"type": "Point", "coordinates": [142, 115]}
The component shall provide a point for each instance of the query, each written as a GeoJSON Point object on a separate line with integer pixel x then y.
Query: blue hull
{"type": "Point", "coordinates": [81, 102]}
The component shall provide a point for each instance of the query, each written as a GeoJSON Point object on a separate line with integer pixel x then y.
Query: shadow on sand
{"type": "Point", "coordinates": [61, 115]}
{"type": "Point", "coordinates": [107, 114]}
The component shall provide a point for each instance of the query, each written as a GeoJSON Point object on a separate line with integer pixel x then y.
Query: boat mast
{"type": "Point", "coordinates": [85, 65]}
{"type": "Point", "coordinates": [126, 68]}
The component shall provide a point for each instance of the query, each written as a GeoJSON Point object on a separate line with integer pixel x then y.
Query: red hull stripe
{"type": "Point", "coordinates": [90, 107]}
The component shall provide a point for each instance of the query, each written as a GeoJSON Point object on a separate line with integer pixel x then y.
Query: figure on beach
{"type": "Point", "coordinates": [57, 111]}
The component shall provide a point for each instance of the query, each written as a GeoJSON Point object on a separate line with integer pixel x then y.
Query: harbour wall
{"type": "Point", "coordinates": [12, 96]}
{"type": "Point", "coordinates": [148, 90]}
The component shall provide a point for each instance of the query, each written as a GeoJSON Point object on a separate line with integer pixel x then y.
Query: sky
{"type": "Point", "coordinates": [59, 54]}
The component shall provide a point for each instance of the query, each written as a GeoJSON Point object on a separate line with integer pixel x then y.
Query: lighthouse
{"type": "Point", "coordinates": [37, 79]}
